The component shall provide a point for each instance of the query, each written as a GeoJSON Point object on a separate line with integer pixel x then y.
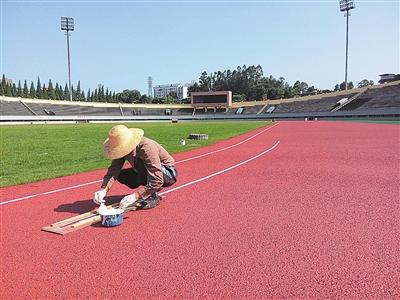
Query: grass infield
{"type": "Point", "coordinates": [36, 152]}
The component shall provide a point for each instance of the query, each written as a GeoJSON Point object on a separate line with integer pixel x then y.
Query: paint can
{"type": "Point", "coordinates": [112, 217]}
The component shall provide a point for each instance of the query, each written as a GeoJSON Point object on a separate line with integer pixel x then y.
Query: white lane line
{"type": "Point", "coordinates": [222, 171]}
{"type": "Point", "coordinates": [98, 181]}
{"type": "Point", "coordinates": [50, 192]}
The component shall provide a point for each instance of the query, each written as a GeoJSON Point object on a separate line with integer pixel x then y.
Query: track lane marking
{"type": "Point", "coordinates": [222, 171]}
{"type": "Point", "coordinates": [228, 147]}
{"type": "Point", "coordinates": [178, 162]}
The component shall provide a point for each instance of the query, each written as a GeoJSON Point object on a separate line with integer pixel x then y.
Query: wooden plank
{"type": "Point", "coordinates": [52, 229]}
{"type": "Point", "coordinates": [77, 222]}
{"type": "Point", "coordinates": [74, 219]}
{"type": "Point", "coordinates": [73, 227]}
{"type": "Point", "coordinates": [81, 224]}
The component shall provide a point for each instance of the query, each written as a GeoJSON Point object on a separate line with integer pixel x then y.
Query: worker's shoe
{"type": "Point", "coordinates": [150, 202]}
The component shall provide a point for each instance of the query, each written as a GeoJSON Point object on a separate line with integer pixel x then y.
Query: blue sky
{"type": "Point", "coordinates": [121, 43]}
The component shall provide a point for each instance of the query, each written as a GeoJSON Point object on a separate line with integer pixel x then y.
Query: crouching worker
{"type": "Point", "coordinates": [152, 167]}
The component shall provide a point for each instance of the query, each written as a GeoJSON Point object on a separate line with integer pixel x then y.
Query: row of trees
{"type": "Point", "coordinates": [248, 82]}
{"type": "Point", "coordinates": [39, 91]}
{"type": "Point", "coordinates": [55, 92]}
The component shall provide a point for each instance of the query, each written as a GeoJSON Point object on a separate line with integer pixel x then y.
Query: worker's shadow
{"type": "Point", "coordinates": [83, 206]}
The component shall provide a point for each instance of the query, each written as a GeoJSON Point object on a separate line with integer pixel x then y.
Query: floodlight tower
{"type": "Point", "coordinates": [67, 24]}
{"type": "Point", "coordinates": [345, 6]}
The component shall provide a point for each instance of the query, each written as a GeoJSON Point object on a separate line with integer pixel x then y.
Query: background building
{"type": "Point", "coordinates": [161, 91]}
{"type": "Point", "coordinates": [389, 78]}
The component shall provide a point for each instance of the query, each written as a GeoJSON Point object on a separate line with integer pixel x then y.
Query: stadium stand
{"type": "Point", "coordinates": [270, 109]}
{"type": "Point", "coordinates": [378, 97]}
{"type": "Point", "coordinates": [210, 111]}
{"type": "Point", "coordinates": [252, 109]}
{"type": "Point", "coordinates": [317, 105]}
{"type": "Point", "coordinates": [14, 108]}
{"type": "Point", "coordinates": [182, 111]}
{"type": "Point", "coordinates": [375, 99]}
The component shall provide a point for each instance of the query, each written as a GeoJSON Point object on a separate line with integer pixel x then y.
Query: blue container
{"type": "Point", "coordinates": [114, 219]}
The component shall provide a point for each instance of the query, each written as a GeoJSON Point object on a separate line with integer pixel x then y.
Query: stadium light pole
{"type": "Point", "coordinates": [345, 6]}
{"type": "Point", "coordinates": [67, 24]}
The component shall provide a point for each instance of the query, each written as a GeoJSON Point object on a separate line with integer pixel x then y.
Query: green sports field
{"type": "Point", "coordinates": [35, 152]}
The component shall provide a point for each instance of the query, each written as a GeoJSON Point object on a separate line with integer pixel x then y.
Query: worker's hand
{"type": "Point", "coordinates": [98, 196]}
{"type": "Point", "coordinates": [127, 201]}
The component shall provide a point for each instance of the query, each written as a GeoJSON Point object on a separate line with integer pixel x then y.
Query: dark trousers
{"type": "Point", "coordinates": [137, 176]}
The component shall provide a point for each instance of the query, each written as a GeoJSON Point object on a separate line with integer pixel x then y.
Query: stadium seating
{"type": "Point", "coordinates": [182, 111]}
{"type": "Point", "coordinates": [375, 99]}
{"type": "Point", "coordinates": [252, 109]}
{"type": "Point", "coordinates": [382, 97]}
{"type": "Point", "coordinates": [317, 105]}
{"type": "Point", "coordinates": [13, 108]}
{"type": "Point", "coordinates": [210, 111]}
{"type": "Point", "coordinates": [269, 109]}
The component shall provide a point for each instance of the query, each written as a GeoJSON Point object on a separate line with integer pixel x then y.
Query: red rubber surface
{"type": "Point", "coordinates": [316, 217]}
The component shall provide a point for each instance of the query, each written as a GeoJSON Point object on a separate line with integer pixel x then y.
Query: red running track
{"type": "Point", "coordinates": [316, 217]}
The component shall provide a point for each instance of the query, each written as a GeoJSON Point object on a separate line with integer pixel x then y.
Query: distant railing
{"type": "Point", "coordinates": [373, 113]}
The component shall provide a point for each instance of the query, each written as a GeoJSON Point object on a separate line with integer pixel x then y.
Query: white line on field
{"type": "Point", "coordinates": [50, 192]}
{"type": "Point", "coordinates": [178, 162]}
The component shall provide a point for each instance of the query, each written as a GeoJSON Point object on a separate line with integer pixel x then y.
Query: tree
{"type": "Point", "coordinates": [300, 88]}
{"type": "Point", "coordinates": [95, 96]}
{"type": "Point", "coordinates": [194, 88]}
{"type": "Point", "coordinates": [173, 95]}
{"type": "Point", "coordinates": [58, 92]}
{"type": "Point", "coordinates": [32, 91]}
{"type": "Point", "coordinates": [100, 94]}
{"type": "Point", "coordinates": [146, 99]}
{"type": "Point", "coordinates": [51, 92]}
{"type": "Point", "coordinates": [79, 92]}
{"type": "Point", "coordinates": [66, 93]}
{"type": "Point", "coordinates": [205, 82]}
{"type": "Point", "coordinates": [44, 92]}
{"type": "Point", "coordinates": [3, 82]}
{"type": "Point", "coordinates": [169, 99]}
{"type": "Point", "coordinates": [238, 98]}
{"type": "Point", "coordinates": [14, 91]}
{"type": "Point", "coordinates": [39, 92]}
{"type": "Point", "coordinates": [129, 96]}
{"type": "Point", "coordinates": [8, 91]}
{"type": "Point", "coordinates": [19, 89]}
{"type": "Point", "coordinates": [342, 86]}
{"type": "Point", "coordinates": [25, 92]}
{"type": "Point", "coordinates": [1, 90]}
{"type": "Point", "coordinates": [108, 96]}
{"type": "Point", "coordinates": [364, 83]}
{"type": "Point", "coordinates": [88, 98]}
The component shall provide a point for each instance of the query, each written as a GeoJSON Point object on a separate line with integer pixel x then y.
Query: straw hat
{"type": "Point", "coordinates": [121, 141]}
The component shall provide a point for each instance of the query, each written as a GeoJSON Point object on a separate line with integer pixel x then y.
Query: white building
{"type": "Point", "coordinates": [163, 90]}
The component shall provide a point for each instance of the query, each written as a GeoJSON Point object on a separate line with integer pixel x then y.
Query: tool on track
{"type": "Point", "coordinates": [81, 221]}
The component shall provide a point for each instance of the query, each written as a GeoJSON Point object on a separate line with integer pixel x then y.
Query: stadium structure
{"type": "Point", "coordinates": [378, 101]}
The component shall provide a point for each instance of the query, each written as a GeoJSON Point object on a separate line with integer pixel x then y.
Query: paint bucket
{"type": "Point", "coordinates": [183, 142]}
{"type": "Point", "coordinates": [112, 217]}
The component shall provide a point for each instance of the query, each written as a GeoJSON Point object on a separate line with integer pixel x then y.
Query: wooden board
{"type": "Point", "coordinates": [72, 224]}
